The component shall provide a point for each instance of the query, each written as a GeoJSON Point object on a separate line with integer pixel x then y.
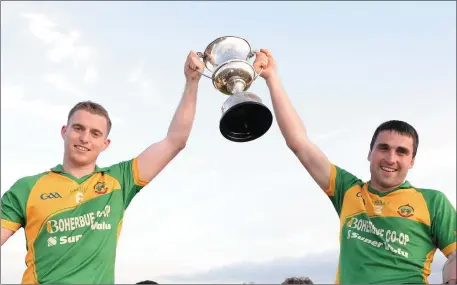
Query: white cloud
{"type": "Point", "coordinates": [60, 82]}
{"type": "Point", "coordinates": [63, 46]}
{"type": "Point", "coordinates": [13, 100]}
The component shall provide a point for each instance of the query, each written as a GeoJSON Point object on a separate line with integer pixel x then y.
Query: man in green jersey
{"type": "Point", "coordinates": [389, 229]}
{"type": "Point", "coordinates": [72, 214]}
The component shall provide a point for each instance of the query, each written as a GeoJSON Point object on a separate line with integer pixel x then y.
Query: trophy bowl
{"type": "Point", "coordinates": [244, 116]}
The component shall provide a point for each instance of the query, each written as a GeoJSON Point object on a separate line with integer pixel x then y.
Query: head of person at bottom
{"type": "Point", "coordinates": [147, 282]}
{"type": "Point", "coordinates": [86, 134]}
{"type": "Point", "coordinates": [393, 150]}
{"type": "Point", "coordinates": [297, 280]}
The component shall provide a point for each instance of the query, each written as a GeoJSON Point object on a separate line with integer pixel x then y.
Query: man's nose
{"type": "Point", "coordinates": [391, 157]}
{"type": "Point", "coordinates": [84, 137]}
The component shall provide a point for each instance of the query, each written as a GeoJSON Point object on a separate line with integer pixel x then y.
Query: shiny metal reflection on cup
{"type": "Point", "coordinates": [244, 116]}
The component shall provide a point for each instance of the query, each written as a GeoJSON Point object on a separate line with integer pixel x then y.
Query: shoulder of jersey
{"type": "Point", "coordinates": [25, 184]}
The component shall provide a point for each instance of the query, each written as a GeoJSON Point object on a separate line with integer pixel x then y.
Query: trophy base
{"type": "Point", "coordinates": [246, 120]}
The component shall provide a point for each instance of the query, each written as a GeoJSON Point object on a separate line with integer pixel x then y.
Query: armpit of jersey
{"type": "Point", "coordinates": [127, 174]}
{"type": "Point", "coordinates": [340, 182]}
{"type": "Point", "coordinates": [136, 174]}
{"type": "Point", "coordinates": [443, 219]}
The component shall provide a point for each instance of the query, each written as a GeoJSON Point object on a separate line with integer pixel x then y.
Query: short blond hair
{"type": "Point", "coordinates": [93, 108]}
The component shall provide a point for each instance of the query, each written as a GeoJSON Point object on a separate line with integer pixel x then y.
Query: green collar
{"type": "Point", "coordinates": [59, 169]}
{"type": "Point", "coordinates": [405, 185]}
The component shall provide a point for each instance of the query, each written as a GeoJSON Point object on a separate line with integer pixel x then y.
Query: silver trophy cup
{"type": "Point", "coordinates": [244, 117]}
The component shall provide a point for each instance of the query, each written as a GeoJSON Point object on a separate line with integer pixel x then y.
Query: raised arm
{"type": "Point", "coordinates": [290, 124]}
{"type": "Point", "coordinates": [156, 157]}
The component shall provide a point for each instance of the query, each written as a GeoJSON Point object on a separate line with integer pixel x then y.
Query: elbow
{"type": "Point", "coordinates": [181, 145]}
{"type": "Point", "coordinates": [295, 143]}
{"type": "Point", "coordinates": [178, 142]}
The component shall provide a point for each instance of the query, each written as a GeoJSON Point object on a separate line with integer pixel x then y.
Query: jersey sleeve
{"type": "Point", "coordinates": [340, 182]}
{"type": "Point", "coordinates": [127, 174]}
{"type": "Point", "coordinates": [444, 224]}
{"type": "Point", "coordinates": [14, 204]}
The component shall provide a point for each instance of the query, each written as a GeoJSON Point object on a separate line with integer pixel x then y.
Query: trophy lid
{"type": "Point", "coordinates": [224, 49]}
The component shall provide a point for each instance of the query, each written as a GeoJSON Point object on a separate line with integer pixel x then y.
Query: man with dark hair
{"type": "Point", "coordinates": [72, 214]}
{"type": "Point", "coordinates": [389, 229]}
{"type": "Point", "coordinates": [297, 280]}
{"type": "Point", "coordinates": [147, 282]}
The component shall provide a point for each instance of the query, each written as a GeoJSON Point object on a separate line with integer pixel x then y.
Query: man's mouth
{"type": "Point", "coordinates": [388, 169]}
{"type": "Point", "coordinates": [81, 148]}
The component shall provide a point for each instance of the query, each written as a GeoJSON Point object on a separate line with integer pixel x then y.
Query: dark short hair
{"type": "Point", "coordinates": [93, 108]}
{"type": "Point", "coordinates": [403, 128]}
{"type": "Point", "coordinates": [297, 280]}
{"type": "Point", "coordinates": [147, 282]}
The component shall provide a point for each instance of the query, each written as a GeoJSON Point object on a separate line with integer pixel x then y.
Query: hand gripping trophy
{"type": "Point", "coordinates": [244, 117]}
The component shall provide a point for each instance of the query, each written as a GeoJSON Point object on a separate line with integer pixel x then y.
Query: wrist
{"type": "Point", "coordinates": [192, 82]}
{"type": "Point", "coordinates": [272, 79]}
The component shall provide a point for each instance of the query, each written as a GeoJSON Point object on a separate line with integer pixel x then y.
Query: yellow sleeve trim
{"type": "Point", "coordinates": [448, 249]}
{"type": "Point", "coordinates": [10, 225]}
{"type": "Point", "coordinates": [136, 174]}
{"type": "Point", "coordinates": [331, 188]}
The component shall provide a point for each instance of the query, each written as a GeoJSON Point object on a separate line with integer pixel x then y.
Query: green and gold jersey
{"type": "Point", "coordinates": [389, 237]}
{"type": "Point", "coordinates": [71, 225]}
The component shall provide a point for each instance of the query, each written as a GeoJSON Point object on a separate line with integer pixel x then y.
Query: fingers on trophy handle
{"type": "Point", "coordinates": [258, 74]}
{"type": "Point", "coordinates": [202, 56]}
{"type": "Point", "coordinates": [251, 54]}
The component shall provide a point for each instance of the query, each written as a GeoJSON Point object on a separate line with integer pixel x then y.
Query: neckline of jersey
{"type": "Point", "coordinates": [59, 169]}
{"type": "Point", "coordinates": [405, 185]}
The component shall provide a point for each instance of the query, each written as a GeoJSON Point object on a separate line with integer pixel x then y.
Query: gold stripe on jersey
{"type": "Point", "coordinates": [448, 249]}
{"type": "Point", "coordinates": [12, 226]}
{"type": "Point", "coordinates": [136, 174]}
{"type": "Point", "coordinates": [427, 264]}
{"type": "Point", "coordinates": [331, 188]}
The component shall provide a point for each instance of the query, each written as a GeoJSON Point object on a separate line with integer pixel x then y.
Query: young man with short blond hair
{"type": "Point", "coordinates": [72, 214]}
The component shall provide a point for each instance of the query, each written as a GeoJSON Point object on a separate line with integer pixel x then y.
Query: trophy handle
{"type": "Point", "coordinates": [251, 55]}
{"type": "Point", "coordinates": [202, 56]}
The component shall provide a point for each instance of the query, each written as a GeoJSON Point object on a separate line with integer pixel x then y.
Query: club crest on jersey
{"type": "Point", "coordinates": [405, 211]}
{"type": "Point", "coordinates": [100, 188]}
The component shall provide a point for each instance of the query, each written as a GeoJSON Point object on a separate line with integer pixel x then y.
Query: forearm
{"type": "Point", "coordinates": [289, 122]}
{"type": "Point", "coordinates": [294, 132]}
{"type": "Point", "coordinates": [183, 119]}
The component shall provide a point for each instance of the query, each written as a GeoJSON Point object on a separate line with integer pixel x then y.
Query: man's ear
{"type": "Point", "coordinates": [106, 144]}
{"type": "Point", "coordinates": [412, 163]}
{"type": "Point", "coordinates": [63, 131]}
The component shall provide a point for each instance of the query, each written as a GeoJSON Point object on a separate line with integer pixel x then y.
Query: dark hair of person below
{"type": "Point", "coordinates": [147, 282]}
{"type": "Point", "coordinates": [297, 280]}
